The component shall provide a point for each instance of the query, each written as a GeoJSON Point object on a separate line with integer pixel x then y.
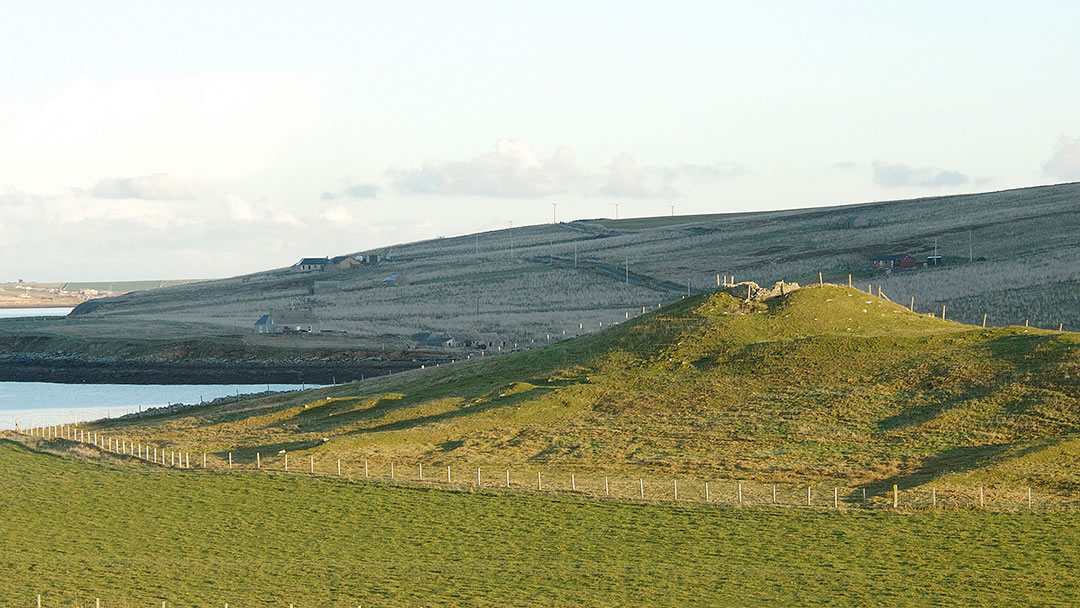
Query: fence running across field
{"type": "Point", "coordinates": [720, 492]}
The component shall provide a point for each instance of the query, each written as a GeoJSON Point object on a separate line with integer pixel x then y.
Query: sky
{"type": "Point", "coordinates": [154, 140]}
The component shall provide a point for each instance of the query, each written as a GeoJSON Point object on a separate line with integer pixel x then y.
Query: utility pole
{"type": "Point", "coordinates": [553, 205]}
{"type": "Point", "coordinates": [672, 210]}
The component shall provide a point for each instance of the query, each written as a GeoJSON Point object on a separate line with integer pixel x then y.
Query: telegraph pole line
{"type": "Point", "coordinates": [672, 210]}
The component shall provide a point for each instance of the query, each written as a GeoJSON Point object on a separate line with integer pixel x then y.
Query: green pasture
{"type": "Point", "coordinates": [76, 530]}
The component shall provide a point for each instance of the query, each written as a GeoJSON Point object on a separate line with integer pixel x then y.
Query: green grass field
{"type": "Point", "coordinates": [75, 530]}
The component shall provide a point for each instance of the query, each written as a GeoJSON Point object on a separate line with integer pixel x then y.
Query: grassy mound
{"type": "Point", "coordinates": [823, 384]}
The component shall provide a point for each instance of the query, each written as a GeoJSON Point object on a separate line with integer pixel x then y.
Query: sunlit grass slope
{"type": "Point", "coordinates": [136, 536]}
{"type": "Point", "coordinates": [823, 384]}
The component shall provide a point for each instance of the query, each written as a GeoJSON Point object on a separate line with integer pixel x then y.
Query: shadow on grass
{"type": "Point", "coordinates": [954, 460]}
{"type": "Point", "coordinates": [418, 421]}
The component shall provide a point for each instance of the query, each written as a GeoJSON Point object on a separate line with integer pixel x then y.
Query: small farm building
{"type": "Point", "coordinates": [310, 264]}
{"type": "Point", "coordinates": [346, 262]}
{"type": "Point", "coordinates": [894, 261]}
{"type": "Point", "coordinates": [287, 321]}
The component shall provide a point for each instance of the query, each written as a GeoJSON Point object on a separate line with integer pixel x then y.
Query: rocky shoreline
{"type": "Point", "coordinates": [78, 370]}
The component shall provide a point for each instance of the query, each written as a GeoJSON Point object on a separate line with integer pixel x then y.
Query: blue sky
{"type": "Point", "coordinates": [176, 140]}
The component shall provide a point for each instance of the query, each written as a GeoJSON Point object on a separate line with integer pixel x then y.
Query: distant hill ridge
{"type": "Point", "coordinates": [1012, 255]}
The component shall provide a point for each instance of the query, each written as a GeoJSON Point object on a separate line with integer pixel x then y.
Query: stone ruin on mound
{"type": "Point", "coordinates": [750, 291]}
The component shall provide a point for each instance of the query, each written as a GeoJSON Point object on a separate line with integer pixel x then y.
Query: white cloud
{"type": "Point", "coordinates": [354, 191]}
{"type": "Point", "coordinates": [1065, 163]}
{"type": "Point", "coordinates": [160, 186]}
{"type": "Point", "coordinates": [513, 170]}
{"type": "Point", "coordinates": [239, 209]}
{"type": "Point", "coordinates": [280, 216]}
{"type": "Point", "coordinates": [210, 125]}
{"type": "Point", "coordinates": [900, 175]}
{"type": "Point", "coordinates": [623, 177]}
{"type": "Point", "coordinates": [338, 214]}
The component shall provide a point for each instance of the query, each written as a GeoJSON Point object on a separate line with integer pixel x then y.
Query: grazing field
{"type": "Point", "coordinates": [825, 385]}
{"type": "Point", "coordinates": [76, 530]}
{"type": "Point", "coordinates": [1014, 255]}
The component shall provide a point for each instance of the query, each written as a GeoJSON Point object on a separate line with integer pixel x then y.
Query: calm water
{"type": "Point", "coordinates": [36, 403]}
{"type": "Point", "coordinates": [15, 313]}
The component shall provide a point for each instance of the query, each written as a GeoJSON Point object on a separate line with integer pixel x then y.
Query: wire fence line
{"type": "Point", "coordinates": [674, 489]}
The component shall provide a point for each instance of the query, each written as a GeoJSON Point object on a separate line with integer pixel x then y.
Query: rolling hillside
{"type": "Point", "coordinates": [823, 384]}
{"type": "Point", "coordinates": [1013, 255]}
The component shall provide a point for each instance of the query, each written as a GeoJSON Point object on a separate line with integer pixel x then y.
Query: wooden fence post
{"type": "Point", "coordinates": [478, 481]}
{"type": "Point", "coordinates": [820, 281]}
{"type": "Point", "coordinates": [835, 498]}
{"type": "Point", "coordinates": [258, 461]}
{"type": "Point", "coordinates": [286, 461]}
{"type": "Point", "coordinates": [981, 503]}
{"type": "Point", "coordinates": [676, 485]}
{"type": "Point", "coordinates": [573, 483]}
{"type": "Point", "coordinates": [204, 460]}
{"type": "Point", "coordinates": [391, 470]}
{"type": "Point", "coordinates": [365, 470]}
{"type": "Point", "coordinates": [607, 492]}
{"type": "Point", "coordinates": [774, 493]}
{"type": "Point", "coordinates": [311, 464]}
{"type": "Point", "coordinates": [849, 279]}
{"type": "Point", "coordinates": [230, 460]}
{"type": "Point", "coordinates": [508, 478]}
{"type": "Point", "coordinates": [895, 496]}
{"type": "Point", "coordinates": [740, 493]}
{"type": "Point", "coordinates": [809, 503]}
{"type": "Point", "coordinates": [942, 312]}
{"type": "Point", "coordinates": [448, 474]}
{"type": "Point", "coordinates": [1029, 498]}
{"type": "Point", "coordinates": [706, 490]}
{"type": "Point", "coordinates": [421, 471]}
{"type": "Point", "coordinates": [539, 485]}
{"type": "Point", "coordinates": [984, 319]}
{"type": "Point", "coordinates": [339, 467]}
{"type": "Point", "coordinates": [641, 487]}
{"type": "Point", "coordinates": [933, 497]}
{"type": "Point", "coordinates": [912, 307]}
